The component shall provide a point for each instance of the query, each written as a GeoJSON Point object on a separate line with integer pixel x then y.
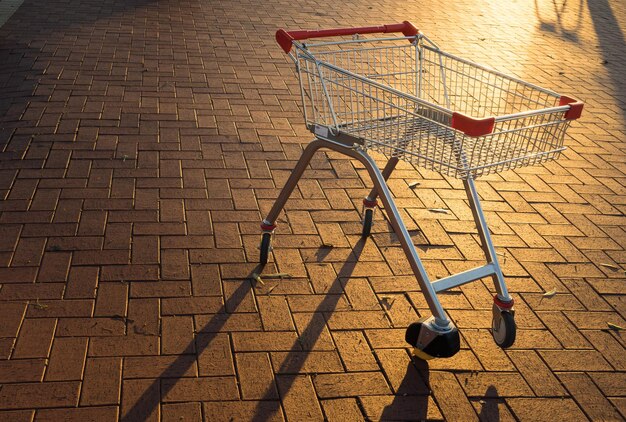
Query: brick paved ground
{"type": "Point", "coordinates": [143, 141]}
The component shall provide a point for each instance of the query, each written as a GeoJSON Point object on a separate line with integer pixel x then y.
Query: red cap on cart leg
{"type": "Point", "coordinates": [502, 304]}
{"type": "Point", "coordinates": [267, 227]}
{"type": "Point", "coordinates": [370, 203]}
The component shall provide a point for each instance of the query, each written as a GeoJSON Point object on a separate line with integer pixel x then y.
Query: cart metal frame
{"type": "Point", "coordinates": [351, 113]}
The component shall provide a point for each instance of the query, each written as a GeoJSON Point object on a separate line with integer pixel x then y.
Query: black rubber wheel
{"type": "Point", "coordinates": [368, 219]}
{"type": "Point", "coordinates": [412, 333]}
{"type": "Point", "coordinates": [503, 329]}
{"type": "Point", "coordinates": [266, 240]}
{"type": "Point", "coordinates": [445, 345]}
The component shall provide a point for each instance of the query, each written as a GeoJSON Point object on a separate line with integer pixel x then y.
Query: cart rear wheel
{"type": "Point", "coordinates": [368, 219]}
{"type": "Point", "coordinates": [266, 240]}
{"type": "Point", "coordinates": [503, 329]}
{"type": "Point", "coordinates": [444, 345]}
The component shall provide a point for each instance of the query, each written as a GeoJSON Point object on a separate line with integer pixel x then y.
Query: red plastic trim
{"type": "Point", "coordinates": [503, 305]}
{"type": "Point", "coordinates": [268, 227]}
{"type": "Point", "coordinates": [370, 204]}
{"type": "Point", "coordinates": [575, 107]}
{"type": "Point", "coordinates": [471, 126]}
{"type": "Point", "coordinates": [285, 38]}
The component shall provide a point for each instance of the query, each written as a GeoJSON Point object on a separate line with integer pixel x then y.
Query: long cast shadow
{"type": "Point", "coordinates": [559, 27]}
{"type": "Point", "coordinates": [489, 411]}
{"type": "Point", "coordinates": [28, 41]}
{"type": "Point", "coordinates": [613, 45]}
{"type": "Point", "coordinates": [611, 40]}
{"type": "Point", "coordinates": [410, 402]}
{"type": "Point", "coordinates": [44, 63]}
{"type": "Point", "coordinates": [151, 398]}
{"type": "Point", "coordinates": [292, 366]}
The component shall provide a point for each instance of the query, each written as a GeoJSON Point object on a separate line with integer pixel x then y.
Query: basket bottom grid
{"type": "Point", "coordinates": [432, 145]}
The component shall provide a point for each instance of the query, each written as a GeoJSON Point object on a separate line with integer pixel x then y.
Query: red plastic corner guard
{"type": "Point", "coordinates": [575, 107]}
{"type": "Point", "coordinates": [471, 126]}
{"type": "Point", "coordinates": [285, 38]}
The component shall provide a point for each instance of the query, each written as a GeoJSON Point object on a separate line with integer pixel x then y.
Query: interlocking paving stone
{"type": "Point", "coordinates": [86, 414]}
{"type": "Point", "coordinates": [141, 144]}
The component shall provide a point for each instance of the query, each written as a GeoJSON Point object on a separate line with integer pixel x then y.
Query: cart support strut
{"type": "Point", "coordinates": [441, 321]}
{"type": "Point", "coordinates": [435, 336]}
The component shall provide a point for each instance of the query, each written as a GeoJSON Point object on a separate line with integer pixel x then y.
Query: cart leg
{"type": "Point", "coordinates": [435, 336]}
{"type": "Point", "coordinates": [503, 324]}
{"type": "Point", "coordinates": [441, 320]}
{"type": "Point", "coordinates": [268, 225]}
{"type": "Point", "coordinates": [485, 239]}
{"type": "Point", "coordinates": [389, 168]}
{"type": "Point", "coordinates": [370, 203]}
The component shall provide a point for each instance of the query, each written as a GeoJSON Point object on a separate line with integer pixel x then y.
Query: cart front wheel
{"type": "Point", "coordinates": [266, 241]}
{"type": "Point", "coordinates": [503, 329]}
{"type": "Point", "coordinates": [444, 345]}
{"type": "Point", "coordinates": [368, 219]}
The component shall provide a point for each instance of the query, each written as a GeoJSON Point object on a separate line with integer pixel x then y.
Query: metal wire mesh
{"type": "Point", "coordinates": [471, 89]}
{"type": "Point", "coordinates": [399, 97]}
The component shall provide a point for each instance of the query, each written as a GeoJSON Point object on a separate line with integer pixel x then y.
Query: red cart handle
{"type": "Point", "coordinates": [285, 38]}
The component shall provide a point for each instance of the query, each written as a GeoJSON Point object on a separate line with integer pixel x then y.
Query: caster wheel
{"type": "Point", "coordinates": [368, 219]}
{"type": "Point", "coordinates": [444, 345]}
{"type": "Point", "coordinates": [412, 333]}
{"type": "Point", "coordinates": [266, 240]}
{"type": "Point", "coordinates": [503, 329]}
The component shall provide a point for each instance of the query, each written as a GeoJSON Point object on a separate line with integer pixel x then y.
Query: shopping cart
{"type": "Point", "coordinates": [404, 97]}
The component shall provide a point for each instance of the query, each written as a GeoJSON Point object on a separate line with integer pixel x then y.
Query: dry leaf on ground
{"type": "Point", "coordinates": [278, 275]}
{"type": "Point", "coordinates": [610, 266]}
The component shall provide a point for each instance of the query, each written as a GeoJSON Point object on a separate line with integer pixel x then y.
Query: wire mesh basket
{"type": "Point", "coordinates": [413, 101]}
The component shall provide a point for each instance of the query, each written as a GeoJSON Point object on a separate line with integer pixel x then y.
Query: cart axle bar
{"type": "Point", "coordinates": [465, 277]}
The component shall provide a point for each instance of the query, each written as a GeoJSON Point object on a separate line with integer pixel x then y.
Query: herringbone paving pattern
{"type": "Point", "coordinates": [143, 142]}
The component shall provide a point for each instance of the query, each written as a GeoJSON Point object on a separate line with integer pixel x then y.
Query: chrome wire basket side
{"type": "Point", "coordinates": [399, 98]}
